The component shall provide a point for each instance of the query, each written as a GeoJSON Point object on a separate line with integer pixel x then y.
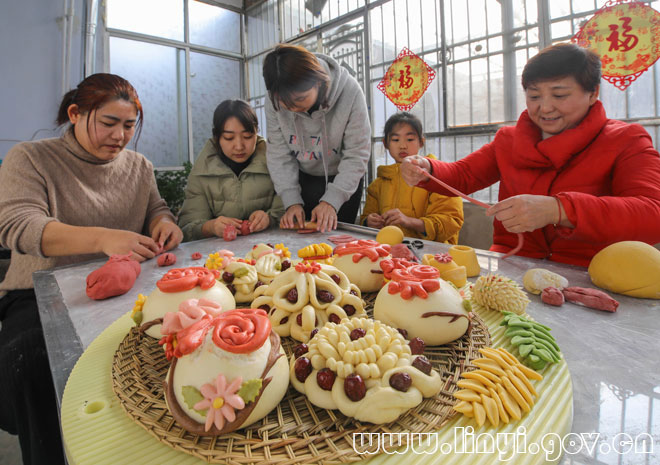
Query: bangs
{"type": "Point", "coordinates": [287, 92]}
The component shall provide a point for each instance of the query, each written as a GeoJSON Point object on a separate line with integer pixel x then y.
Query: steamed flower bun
{"type": "Point", "coordinates": [629, 268]}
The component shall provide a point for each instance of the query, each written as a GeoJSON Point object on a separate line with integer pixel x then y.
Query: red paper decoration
{"type": "Point", "coordinates": [626, 36]}
{"type": "Point", "coordinates": [406, 80]}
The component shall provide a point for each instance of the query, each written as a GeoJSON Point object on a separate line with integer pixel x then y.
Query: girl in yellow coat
{"type": "Point", "coordinates": [390, 201]}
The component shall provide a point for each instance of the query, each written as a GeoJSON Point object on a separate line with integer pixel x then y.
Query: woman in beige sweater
{"type": "Point", "coordinates": [62, 201]}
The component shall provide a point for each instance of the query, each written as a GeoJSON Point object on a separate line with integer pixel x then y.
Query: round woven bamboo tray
{"type": "Point", "coordinates": [296, 432]}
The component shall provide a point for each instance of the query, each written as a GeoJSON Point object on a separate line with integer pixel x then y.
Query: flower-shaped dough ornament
{"type": "Point", "coordinates": [626, 36]}
{"type": "Point", "coordinates": [241, 279]}
{"type": "Point", "coordinates": [365, 369]}
{"type": "Point", "coordinates": [269, 260]}
{"type": "Point", "coordinates": [406, 80]}
{"type": "Point", "coordinates": [302, 299]}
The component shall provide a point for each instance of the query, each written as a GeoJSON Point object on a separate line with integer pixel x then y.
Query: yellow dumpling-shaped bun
{"type": "Point", "coordinates": [391, 235]}
{"type": "Point", "coordinates": [629, 268]}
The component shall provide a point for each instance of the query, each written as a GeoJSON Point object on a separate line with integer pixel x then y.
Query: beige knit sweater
{"type": "Point", "coordinates": [57, 180]}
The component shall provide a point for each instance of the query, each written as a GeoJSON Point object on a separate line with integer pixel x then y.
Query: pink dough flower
{"type": "Point", "coordinates": [443, 258]}
{"type": "Point", "coordinates": [220, 400]}
{"type": "Point", "coordinates": [190, 312]}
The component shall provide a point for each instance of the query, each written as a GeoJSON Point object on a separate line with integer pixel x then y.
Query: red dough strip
{"type": "Point", "coordinates": [341, 239]}
{"type": "Point", "coordinates": [363, 248]}
{"type": "Point", "coordinates": [513, 251]}
{"type": "Point", "coordinates": [592, 298]}
{"type": "Point", "coordinates": [184, 279]}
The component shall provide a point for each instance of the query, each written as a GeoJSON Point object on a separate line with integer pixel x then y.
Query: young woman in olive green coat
{"type": "Point", "coordinates": [230, 182]}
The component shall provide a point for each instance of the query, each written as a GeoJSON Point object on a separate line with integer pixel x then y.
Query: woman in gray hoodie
{"type": "Point", "coordinates": [319, 137]}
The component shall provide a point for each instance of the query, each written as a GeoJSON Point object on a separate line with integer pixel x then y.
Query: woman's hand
{"type": "Point", "coordinates": [526, 212]}
{"type": "Point", "coordinates": [374, 220]}
{"type": "Point", "coordinates": [293, 218]}
{"type": "Point", "coordinates": [410, 169]}
{"type": "Point", "coordinates": [217, 226]}
{"type": "Point", "coordinates": [166, 234]}
{"type": "Point", "coordinates": [118, 242]}
{"type": "Point", "coordinates": [259, 220]}
{"type": "Point", "coordinates": [325, 216]}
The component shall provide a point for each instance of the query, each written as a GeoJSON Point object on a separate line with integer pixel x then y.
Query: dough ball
{"type": "Point", "coordinates": [629, 268]}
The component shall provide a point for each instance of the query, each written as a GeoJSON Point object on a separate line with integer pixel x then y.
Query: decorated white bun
{"type": "Point", "coordinates": [360, 261]}
{"type": "Point", "coordinates": [365, 369]}
{"type": "Point", "coordinates": [235, 376]}
{"type": "Point", "coordinates": [425, 306]}
{"type": "Point", "coordinates": [179, 285]}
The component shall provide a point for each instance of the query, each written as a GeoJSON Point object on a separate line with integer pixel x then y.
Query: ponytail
{"type": "Point", "coordinates": [63, 113]}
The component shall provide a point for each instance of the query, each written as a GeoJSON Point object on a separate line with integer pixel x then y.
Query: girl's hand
{"type": "Point", "coordinates": [374, 220]}
{"type": "Point", "coordinates": [410, 169]}
{"type": "Point", "coordinates": [118, 242]}
{"type": "Point", "coordinates": [220, 223]}
{"type": "Point", "coordinates": [259, 220]}
{"type": "Point", "coordinates": [293, 218]}
{"type": "Point", "coordinates": [523, 213]}
{"type": "Point", "coordinates": [325, 216]}
{"type": "Point", "coordinates": [166, 234]}
{"type": "Point", "coordinates": [395, 217]}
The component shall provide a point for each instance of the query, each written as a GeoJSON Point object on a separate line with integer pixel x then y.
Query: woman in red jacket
{"type": "Point", "coordinates": [572, 180]}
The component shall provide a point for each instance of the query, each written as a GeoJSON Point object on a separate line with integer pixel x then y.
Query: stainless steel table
{"type": "Point", "coordinates": [614, 358]}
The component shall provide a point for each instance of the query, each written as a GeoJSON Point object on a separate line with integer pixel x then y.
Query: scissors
{"type": "Point", "coordinates": [414, 245]}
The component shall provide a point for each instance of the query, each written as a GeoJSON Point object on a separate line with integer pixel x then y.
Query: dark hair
{"type": "Point", "coordinates": [97, 90]}
{"type": "Point", "coordinates": [291, 69]}
{"type": "Point", "coordinates": [563, 60]}
{"type": "Point", "coordinates": [402, 117]}
{"type": "Point", "coordinates": [239, 109]}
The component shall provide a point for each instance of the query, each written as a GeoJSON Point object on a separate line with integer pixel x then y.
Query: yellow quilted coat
{"type": "Point", "coordinates": [442, 215]}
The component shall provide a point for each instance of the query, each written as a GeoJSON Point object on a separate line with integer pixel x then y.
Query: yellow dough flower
{"type": "Point", "coordinates": [214, 262]}
{"type": "Point", "coordinates": [136, 313]}
{"type": "Point", "coordinates": [284, 249]}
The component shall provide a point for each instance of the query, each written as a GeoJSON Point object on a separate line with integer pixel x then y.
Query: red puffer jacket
{"type": "Point", "coordinates": [605, 172]}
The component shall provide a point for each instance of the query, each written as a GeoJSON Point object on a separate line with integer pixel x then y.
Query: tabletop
{"type": "Point", "coordinates": [612, 357]}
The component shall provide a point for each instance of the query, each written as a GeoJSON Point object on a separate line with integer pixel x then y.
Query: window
{"type": "Point", "coordinates": [478, 49]}
{"type": "Point", "coordinates": [183, 61]}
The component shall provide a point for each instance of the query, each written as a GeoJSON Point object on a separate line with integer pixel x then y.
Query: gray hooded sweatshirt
{"type": "Point", "coordinates": [332, 141]}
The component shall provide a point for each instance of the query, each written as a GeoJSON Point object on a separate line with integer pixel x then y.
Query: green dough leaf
{"type": "Point", "coordinates": [240, 272]}
{"type": "Point", "coordinates": [191, 396]}
{"type": "Point", "coordinates": [467, 305]}
{"type": "Point", "coordinates": [250, 390]}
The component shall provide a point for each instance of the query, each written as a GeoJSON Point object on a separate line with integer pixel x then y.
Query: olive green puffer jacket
{"type": "Point", "coordinates": [214, 190]}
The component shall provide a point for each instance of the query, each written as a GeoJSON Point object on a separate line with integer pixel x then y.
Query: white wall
{"type": "Point", "coordinates": [31, 67]}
